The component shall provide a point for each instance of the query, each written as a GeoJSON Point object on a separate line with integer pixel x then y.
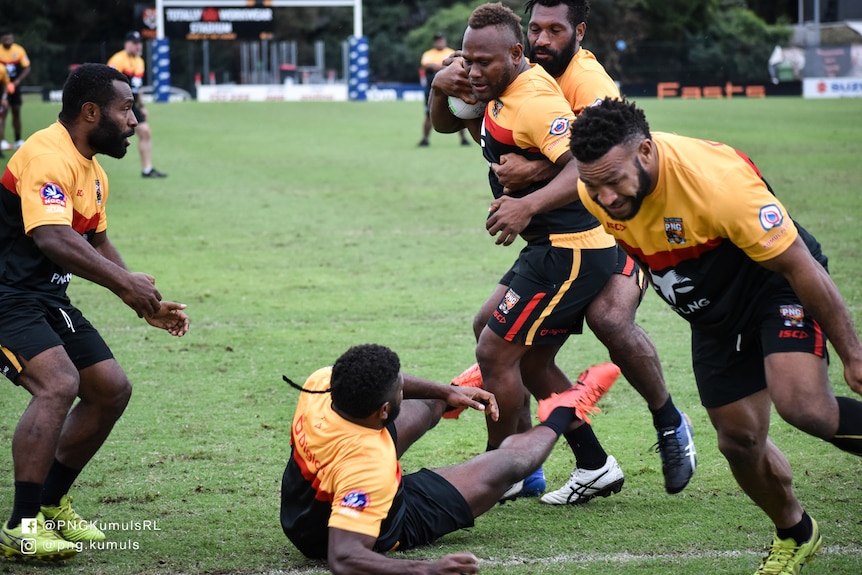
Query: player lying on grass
{"type": "Point", "coordinates": [343, 496]}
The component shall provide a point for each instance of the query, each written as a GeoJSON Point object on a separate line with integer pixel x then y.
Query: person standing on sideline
{"type": "Point", "coordinates": [129, 62]}
{"type": "Point", "coordinates": [4, 95]}
{"type": "Point", "coordinates": [17, 64]}
{"type": "Point", "coordinates": [53, 225]}
{"type": "Point", "coordinates": [554, 32]}
{"type": "Point", "coordinates": [724, 253]}
{"type": "Point", "coordinates": [431, 63]}
{"type": "Point", "coordinates": [343, 495]}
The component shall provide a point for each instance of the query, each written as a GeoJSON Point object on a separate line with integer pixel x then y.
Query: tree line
{"type": "Point", "coordinates": [691, 41]}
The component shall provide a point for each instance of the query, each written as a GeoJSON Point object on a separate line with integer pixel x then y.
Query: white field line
{"type": "Point", "coordinates": [620, 558]}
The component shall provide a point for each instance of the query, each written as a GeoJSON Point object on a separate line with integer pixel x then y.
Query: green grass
{"type": "Point", "coordinates": [294, 230]}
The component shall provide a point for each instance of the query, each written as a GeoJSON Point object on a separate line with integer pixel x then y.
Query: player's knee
{"type": "Point", "coordinates": [740, 445]}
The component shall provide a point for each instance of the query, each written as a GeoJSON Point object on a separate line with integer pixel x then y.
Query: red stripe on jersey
{"type": "Point", "coordinates": [309, 476]}
{"type": "Point", "coordinates": [750, 163]}
{"type": "Point", "coordinates": [9, 181]}
{"type": "Point", "coordinates": [83, 225]}
{"type": "Point", "coordinates": [672, 258]}
{"type": "Point", "coordinates": [499, 133]}
{"type": "Point", "coordinates": [510, 335]}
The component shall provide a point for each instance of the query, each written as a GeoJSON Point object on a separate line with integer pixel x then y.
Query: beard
{"type": "Point", "coordinates": [107, 138]}
{"type": "Point", "coordinates": [497, 88]}
{"type": "Point", "coordinates": [644, 185]}
{"type": "Point", "coordinates": [558, 62]}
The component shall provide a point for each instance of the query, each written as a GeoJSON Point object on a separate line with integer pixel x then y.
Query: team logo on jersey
{"type": "Point", "coordinates": [674, 230]}
{"type": "Point", "coordinates": [98, 193]}
{"type": "Point", "coordinates": [771, 216]}
{"type": "Point", "coordinates": [52, 195]}
{"type": "Point", "coordinates": [559, 126]}
{"type": "Point", "coordinates": [509, 301]}
{"type": "Point", "coordinates": [355, 500]}
{"type": "Point", "coordinates": [671, 284]}
{"type": "Point", "coordinates": [793, 315]}
{"type": "Point", "coordinates": [495, 111]}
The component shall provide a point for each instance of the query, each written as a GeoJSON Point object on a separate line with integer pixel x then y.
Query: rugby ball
{"type": "Point", "coordinates": [465, 111]}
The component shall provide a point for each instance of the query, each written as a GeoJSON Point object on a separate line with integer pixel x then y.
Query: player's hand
{"type": "Point", "coordinates": [141, 294]}
{"type": "Point", "coordinates": [514, 172]}
{"type": "Point", "coordinates": [455, 564]}
{"type": "Point", "coordinates": [474, 398]}
{"type": "Point", "coordinates": [508, 218]}
{"type": "Point", "coordinates": [453, 81]}
{"type": "Point", "coordinates": [853, 375]}
{"type": "Point", "coordinates": [451, 58]}
{"type": "Point", "coordinates": [170, 318]}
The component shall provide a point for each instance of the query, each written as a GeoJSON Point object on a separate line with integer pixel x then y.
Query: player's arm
{"type": "Point", "coordinates": [471, 397]}
{"type": "Point", "coordinates": [170, 315]}
{"type": "Point", "coordinates": [509, 216]}
{"type": "Point", "coordinates": [68, 249]}
{"type": "Point", "coordinates": [24, 73]}
{"type": "Point", "coordinates": [821, 298]}
{"type": "Point", "coordinates": [515, 172]}
{"type": "Point", "coordinates": [353, 554]}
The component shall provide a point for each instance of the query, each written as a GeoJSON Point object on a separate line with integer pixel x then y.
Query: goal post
{"type": "Point", "coordinates": [357, 75]}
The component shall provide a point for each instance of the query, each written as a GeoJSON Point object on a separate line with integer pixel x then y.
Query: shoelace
{"type": "Point", "coordinates": [777, 560]}
{"type": "Point", "coordinates": [668, 446]}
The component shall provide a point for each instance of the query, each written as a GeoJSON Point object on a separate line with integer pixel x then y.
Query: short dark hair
{"type": "Point", "coordinates": [89, 83]}
{"type": "Point", "coordinates": [605, 125]}
{"type": "Point", "coordinates": [579, 10]}
{"type": "Point", "coordinates": [362, 379]}
{"type": "Point", "coordinates": [497, 15]}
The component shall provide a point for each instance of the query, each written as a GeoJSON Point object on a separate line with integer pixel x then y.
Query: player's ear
{"type": "Point", "coordinates": [384, 410]}
{"type": "Point", "coordinates": [91, 112]}
{"type": "Point", "coordinates": [517, 52]}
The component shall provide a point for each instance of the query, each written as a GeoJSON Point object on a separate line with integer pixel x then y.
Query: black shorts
{"type": "Point", "coordinates": [433, 508]}
{"type": "Point", "coordinates": [139, 116]}
{"type": "Point", "coordinates": [550, 288]}
{"type": "Point", "coordinates": [730, 367]}
{"type": "Point", "coordinates": [15, 99]}
{"type": "Point", "coordinates": [30, 325]}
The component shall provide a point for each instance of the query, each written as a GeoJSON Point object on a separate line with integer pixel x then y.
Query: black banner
{"type": "Point", "coordinates": [218, 23]}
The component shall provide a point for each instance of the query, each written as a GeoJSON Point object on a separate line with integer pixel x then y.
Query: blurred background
{"type": "Point", "coordinates": [641, 42]}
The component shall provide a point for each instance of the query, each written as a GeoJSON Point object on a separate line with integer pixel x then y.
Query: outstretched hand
{"type": "Point", "coordinates": [474, 398]}
{"type": "Point", "coordinates": [853, 376]}
{"type": "Point", "coordinates": [171, 318]}
{"type": "Point", "coordinates": [455, 564]}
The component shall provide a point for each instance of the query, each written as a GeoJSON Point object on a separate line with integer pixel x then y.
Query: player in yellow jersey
{"type": "Point", "coordinates": [723, 252]}
{"type": "Point", "coordinates": [53, 225]}
{"type": "Point", "coordinates": [14, 58]}
{"type": "Point", "coordinates": [129, 62]}
{"type": "Point", "coordinates": [343, 496]}
{"type": "Point", "coordinates": [431, 63]}
{"type": "Point", "coordinates": [555, 30]}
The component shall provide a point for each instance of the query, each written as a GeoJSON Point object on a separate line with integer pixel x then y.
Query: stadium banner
{"type": "Point", "coordinates": [212, 23]}
{"type": "Point", "coordinates": [272, 93]}
{"type": "Point", "coordinates": [832, 88]}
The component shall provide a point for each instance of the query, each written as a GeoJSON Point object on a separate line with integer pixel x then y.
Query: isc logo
{"type": "Point", "coordinates": [793, 333]}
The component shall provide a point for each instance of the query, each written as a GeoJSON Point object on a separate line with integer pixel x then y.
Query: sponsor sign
{"type": "Point", "coordinates": [218, 23]}
{"type": "Point", "coordinates": [832, 88]}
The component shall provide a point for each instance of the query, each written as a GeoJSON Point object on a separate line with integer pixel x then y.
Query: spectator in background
{"type": "Point", "coordinates": [432, 62]}
{"type": "Point", "coordinates": [17, 64]}
{"type": "Point", "coordinates": [4, 96]}
{"type": "Point", "coordinates": [129, 62]}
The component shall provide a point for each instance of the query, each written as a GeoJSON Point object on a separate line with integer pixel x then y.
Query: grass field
{"type": "Point", "coordinates": [294, 230]}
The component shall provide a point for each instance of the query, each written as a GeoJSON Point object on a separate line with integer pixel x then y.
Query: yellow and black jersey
{"type": "Point", "coordinates": [131, 66]}
{"type": "Point", "coordinates": [4, 77]}
{"type": "Point", "coordinates": [15, 59]}
{"type": "Point", "coordinates": [585, 81]}
{"type": "Point", "coordinates": [702, 230]}
{"type": "Point", "coordinates": [340, 475]}
{"type": "Point", "coordinates": [46, 182]}
{"type": "Point", "coordinates": [532, 118]}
